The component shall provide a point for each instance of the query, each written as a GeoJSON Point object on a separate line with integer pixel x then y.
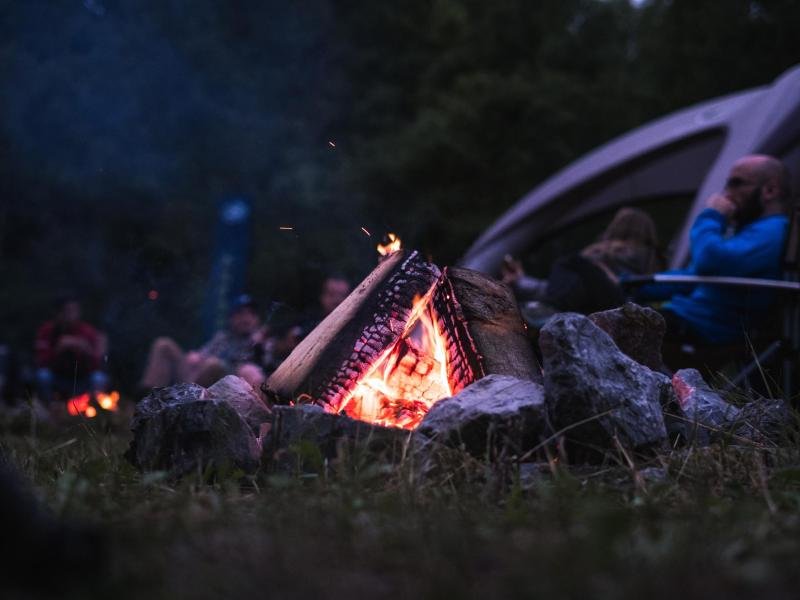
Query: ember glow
{"type": "Point", "coordinates": [393, 244]}
{"type": "Point", "coordinates": [84, 405]}
{"type": "Point", "coordinates": [407, 379]}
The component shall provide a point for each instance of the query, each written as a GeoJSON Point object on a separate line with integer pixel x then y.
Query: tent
{"type": "Point", "coordinates": [687, 153]}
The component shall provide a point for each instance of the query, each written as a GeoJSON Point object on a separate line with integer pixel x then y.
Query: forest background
{"type": "Point", "coordinates": [124, 123]}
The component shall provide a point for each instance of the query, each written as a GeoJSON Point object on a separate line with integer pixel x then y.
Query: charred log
{"type": "Point", "coordinates": [494, 324]}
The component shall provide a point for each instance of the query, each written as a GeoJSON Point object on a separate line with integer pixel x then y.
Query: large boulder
{"type": "Point", "coordinates": [494, 413]}
{"type": "Point", "coordinates": [183, 429]}
{"type": "Point", "coordinates": [638, 331]}
{"type": "Point", "coordinates": [595, 391]}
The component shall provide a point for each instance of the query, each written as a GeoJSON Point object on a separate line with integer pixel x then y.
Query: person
{"type": "Point", "coordinates": [753, 205]}
{"type": "Point", "coordinates": [68, 353]}
{"type": "Point", "coordinates": [285, 332]}
{"type": "Point", "coordinates": [589, 280]}
{"type": "Point", "coordinates": [229, 351]}
{"type": "Point", "coordinates": [334, 289]}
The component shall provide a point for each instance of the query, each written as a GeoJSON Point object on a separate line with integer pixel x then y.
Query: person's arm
{"type": "Point", "coordinates": [43, 347]}
{"type": "Point", "coordinates": [745, 254]}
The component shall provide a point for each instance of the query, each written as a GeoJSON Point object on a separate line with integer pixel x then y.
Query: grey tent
{"type": "Point", "coordinates": [687, 153]}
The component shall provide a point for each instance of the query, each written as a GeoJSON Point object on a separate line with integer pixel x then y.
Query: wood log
{"type": "Point", "coordinates": [327, 363]}
{"type": "Point", "coordinates": [495, 324]}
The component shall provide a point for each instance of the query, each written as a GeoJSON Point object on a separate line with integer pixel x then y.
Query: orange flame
{"type": "Point", "coordinates": [403, 384]}
{"type": "Point", "coordinates": [393, 245]}
{"type": "Point", "coordinates": [83, 405]}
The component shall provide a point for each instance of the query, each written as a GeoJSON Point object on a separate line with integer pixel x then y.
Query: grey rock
{"type": "Point", "coordinates": [496, 412]}
{"type": "Point", "coordinates": [766, 421]}
{"type": "Point", "coordinates": [303, 435]}
{"type": "Point", "coordinates": [181, 430]}
{"type": "Point", "coordinates": [587, 378]}
{"type": "Point", "coordinates": [243, 398]}
{"type": "Point", "coordinates": [637, 331]}
{"type": "Point", "coordinates": [703, 415]}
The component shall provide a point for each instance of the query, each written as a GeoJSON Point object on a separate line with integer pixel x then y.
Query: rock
{"type": "Point", "coordinates": [586, 377]}
{"type": "Point", "coordinates": [243, 398]}
{"type": "Point", "coordinates": [303, 435]}
{"type": "Point", "coordinates": [766, 421]}
{"type": "Point", "coordinates": [495, 412]}
{"type": "Point", "coordinates": [180, 429]}
{"type": "Point", "coordinates": [637, 331]}
{"type": "Point", "coordinates": [706, 416]}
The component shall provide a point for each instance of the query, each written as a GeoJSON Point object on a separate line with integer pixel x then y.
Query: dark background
{"type": "Point", "coordinates": [124, 123]}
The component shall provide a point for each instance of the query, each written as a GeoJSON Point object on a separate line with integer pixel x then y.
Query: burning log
{"type": "Point", "coordinates": [407, 337]}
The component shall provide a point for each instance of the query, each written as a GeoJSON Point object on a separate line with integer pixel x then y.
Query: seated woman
{"type": "Point", "coordinates": [588, 281]}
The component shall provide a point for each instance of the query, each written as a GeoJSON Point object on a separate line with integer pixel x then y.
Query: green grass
{"type": "Point", "coordinates": [722, 523]}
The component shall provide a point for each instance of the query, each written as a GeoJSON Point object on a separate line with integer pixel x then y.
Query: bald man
{"type": "Point", "coordinates": [754, 206]}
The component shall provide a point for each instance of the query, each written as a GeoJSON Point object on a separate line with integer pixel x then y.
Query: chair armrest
{"type": "Point", "coordinates": [749, 282]}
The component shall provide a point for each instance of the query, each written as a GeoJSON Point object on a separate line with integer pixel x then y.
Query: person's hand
{"type": "Point", "coordinates": [511, 270]}
{"type": "Point", "coordinates": [193, 358]}
{"type": "Point", "coordinates": [722, 205]}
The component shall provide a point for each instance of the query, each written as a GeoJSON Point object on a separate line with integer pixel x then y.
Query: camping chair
{"type": "Point", "coordinates": [782, 347]}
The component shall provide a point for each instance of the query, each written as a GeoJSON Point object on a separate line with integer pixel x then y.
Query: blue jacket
{"type": "Point", "coordinates": [721, 314]}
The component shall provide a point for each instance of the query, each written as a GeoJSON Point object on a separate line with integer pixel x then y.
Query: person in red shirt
{"type": "Point", "coordinates": [68, 353]}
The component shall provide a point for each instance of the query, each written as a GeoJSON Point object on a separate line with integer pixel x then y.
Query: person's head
{"type": "Point", "coordinates": [758, 185]}
{"type": "Point", "coordinates": [243, 318]}
{"type": "Point", "coordinates": [334, 289]}
{"type": "Point", "coordinates": [632, 225]}
{"type": "Point", "coordinates": [67, 309]}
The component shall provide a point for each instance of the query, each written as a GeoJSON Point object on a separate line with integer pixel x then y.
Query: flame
{"type": "Point", "coordinates": [392, 245]}
{"type": "Point", "coordinates": [83, 405]}
{"type": "Point", "coordinates": [407, 379]}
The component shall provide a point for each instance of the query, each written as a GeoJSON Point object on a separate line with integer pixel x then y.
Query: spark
{"type": "Point", "coordinates": [364, 229]}
{"type": "Point", "coordinates": [286, 228]}
{"type": "Point", "coordinates": [153, 294]}
{"type": "Point", "coordinates": [331, 143]}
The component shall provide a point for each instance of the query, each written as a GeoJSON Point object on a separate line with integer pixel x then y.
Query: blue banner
{"type": "Point", "coordinates": [229, 264]}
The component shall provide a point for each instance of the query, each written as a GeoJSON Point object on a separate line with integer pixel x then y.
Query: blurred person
{"type": "Point", "coordinates": [589, 280]}
{"type": "Point", "coordinates": [334, 289]}
{"type": "Point", "coordinates": [285, 331]}
{"type": "Point", "coordinates": [741, 233]}
{"type": "Point", "coordinates": [68, 353]}
{"type": "Point", "coordinates": [229, 351]}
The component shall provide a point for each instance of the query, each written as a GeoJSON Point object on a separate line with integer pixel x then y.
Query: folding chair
{"type": "Point", "coordinates": [784, 346]}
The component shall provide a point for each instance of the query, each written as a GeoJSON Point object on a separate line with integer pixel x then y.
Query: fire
{"type": "Point", "coordinates": [83, 404]}
{"type": "Point", "coordinates": [407, 379]}
{"type": "Point", "coordinates": [393, 244]}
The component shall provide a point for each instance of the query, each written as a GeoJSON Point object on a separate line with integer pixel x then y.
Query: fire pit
{"type": "Point", "coordinates": [408, 336]}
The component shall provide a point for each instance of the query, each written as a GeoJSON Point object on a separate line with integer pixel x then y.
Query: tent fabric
{"type": "Point", "coordinates": [687, 153]}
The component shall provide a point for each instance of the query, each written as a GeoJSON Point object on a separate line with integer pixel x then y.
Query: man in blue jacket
{"type": "Point", "coordinates": [741, 233]}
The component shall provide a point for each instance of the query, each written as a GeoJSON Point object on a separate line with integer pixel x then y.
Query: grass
{"type": "Point", "coordinates": [720, 522]}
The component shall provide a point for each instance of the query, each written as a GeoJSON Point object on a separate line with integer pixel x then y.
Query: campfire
{"type": "Point", "coordinates": [87, 406]}
{"type": "Point", "coordinates": [408, 336]}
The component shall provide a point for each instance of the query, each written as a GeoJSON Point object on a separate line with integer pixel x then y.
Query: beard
{"type": "Point", "coordinates": [750, 210]}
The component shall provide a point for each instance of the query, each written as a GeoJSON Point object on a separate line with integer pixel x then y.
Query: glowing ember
{"type": "Point", "coordinates": [83, 404]}
{"type": "Point", "coordinates": [407, 379]}
{"type": "Point", "coordinates": [364, 229]}
{"type": "Point", "coordinates": [393, 244]}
